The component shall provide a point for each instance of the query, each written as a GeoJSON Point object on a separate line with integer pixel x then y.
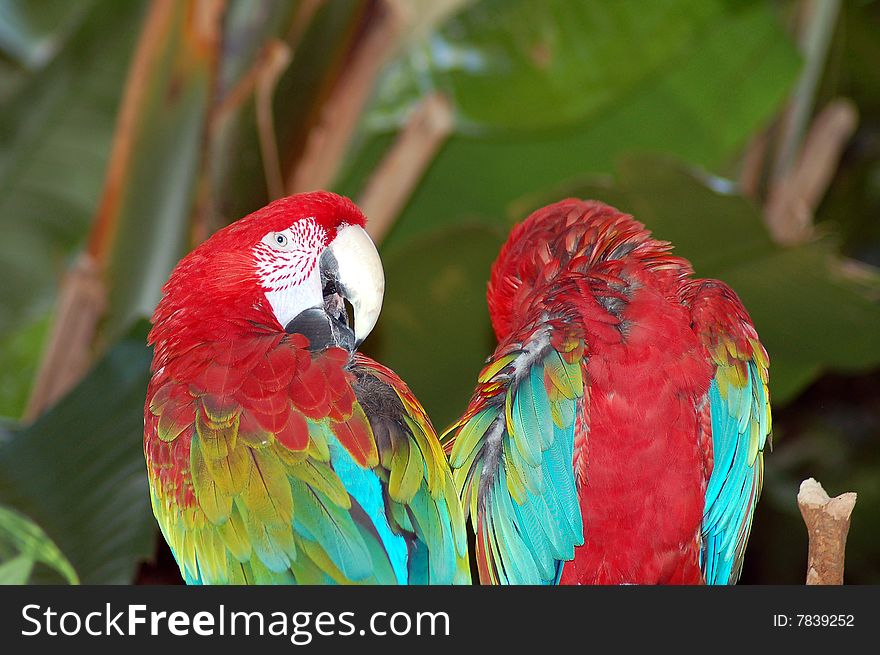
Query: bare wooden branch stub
{"type": "Point", "coordinates": [827, 522]}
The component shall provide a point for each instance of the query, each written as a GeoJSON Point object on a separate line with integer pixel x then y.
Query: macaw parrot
{"type": "Point", "coordinates": [276, 452]}
{"type": "Point", "coordinates": [615, 435]}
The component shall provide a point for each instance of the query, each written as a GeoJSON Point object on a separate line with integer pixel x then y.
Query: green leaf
{"type": "Point", "coordinates": [541, 63]}
{"type": "Point", "coordinates": [19, 355]}
{"type": "Point", "coordinates": [16, 571]}
{"type": "Point", "coordinates": [809, 317]}
{"type": "Point", "coordinates": [434, 330]}
{"type": "Point", "coordinates": [79, 470]}
{"type": "Point", "coordinates": [56, 132]}
{"type": "Point", "coordinates": [686, 108]}
{"type": "Point", "coordinates": [30, 544]}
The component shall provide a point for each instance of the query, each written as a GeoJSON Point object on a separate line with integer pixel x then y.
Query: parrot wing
{"type": "Point", "coordinates": [421, 495]}
{"type": "Point", "coordinates": [512, 459]}
{"type": "Point", "coordinates": [299, 469]}
{"type": "Point", "coordinates": [738, 408]}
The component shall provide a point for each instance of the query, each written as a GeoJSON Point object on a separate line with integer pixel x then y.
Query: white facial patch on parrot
{"type": "Point", "coordinates": [287, 265]}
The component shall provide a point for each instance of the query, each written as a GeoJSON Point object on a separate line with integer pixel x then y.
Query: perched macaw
{"type": "Point", "coordinates": [616, 434]}
{"type": "Point", "coordinates": [276, 453]}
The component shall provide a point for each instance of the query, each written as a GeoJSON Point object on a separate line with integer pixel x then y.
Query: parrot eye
{"type": "Point", "coordinates": [278, 241]}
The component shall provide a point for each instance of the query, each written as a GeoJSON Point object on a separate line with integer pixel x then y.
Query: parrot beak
{"type": "Point", "coordinates": [351, 265]}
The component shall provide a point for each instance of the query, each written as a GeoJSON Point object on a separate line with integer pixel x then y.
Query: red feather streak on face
{"type": "Point", "coordinates": [640, 470]}
{"type": "Point", "coordinates": [221, 353]}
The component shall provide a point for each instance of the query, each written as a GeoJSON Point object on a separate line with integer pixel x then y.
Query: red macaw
{"type": "Point", "coordinates": [616, 434]}
{"type": "Point", "coordinates": [276, 453]}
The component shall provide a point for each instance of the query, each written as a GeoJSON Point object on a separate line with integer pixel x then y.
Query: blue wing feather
{"type": "Point", "coordinates": [513, 464]}
{"type": "Point", "coordinates": [364, 487]}
{"type": "Point", "coordinates": [735, 483]}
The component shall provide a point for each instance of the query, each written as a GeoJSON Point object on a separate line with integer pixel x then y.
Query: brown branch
{"type": "Point", "coordinates": [817, 21]}
{"type": "Point", "coordinates": [827, 522]}
{"type": "Point", "coordinates": [82, 297]}
{"type": "Point", "coordinates": [67, 355]}
{"type": "Point", "coordinates": [83, 293]}
{"type": "Point", "coordinates": [302, 19]}
{"type": "Point", "coordinates": [794, 197]}
{"type": "Point", "coordinates": [278, 58]}
{"type": "Point", "coordinates": [393, 181]}
{"type": "Point", "coordinates": [149, 48]}
{"type": "Point", "coordinates": [328, 140]}
{"type": "Point", "coordinates": [751, 170]}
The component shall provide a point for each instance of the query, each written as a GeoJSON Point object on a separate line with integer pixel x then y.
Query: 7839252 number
{"type": "Point", "coordinates": [825, 620]}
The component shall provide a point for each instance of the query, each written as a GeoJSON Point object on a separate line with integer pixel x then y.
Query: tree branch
{"type": "Point", "coordinates": [398, 174]}
{"type": "Point", "coordinates": [827, 522]}
{"type": "Point", "coordinates": [794, 197]}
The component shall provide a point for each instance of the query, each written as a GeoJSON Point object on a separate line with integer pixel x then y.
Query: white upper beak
{"type": "Point", "coordinates": [361, 277]}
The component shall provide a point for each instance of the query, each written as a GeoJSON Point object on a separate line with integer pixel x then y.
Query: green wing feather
{"type": "Point", "coordinates": [238, 505]}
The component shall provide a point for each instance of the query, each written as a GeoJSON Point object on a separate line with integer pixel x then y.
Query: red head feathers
{"type": "Point", "coordinates": [263, 271]}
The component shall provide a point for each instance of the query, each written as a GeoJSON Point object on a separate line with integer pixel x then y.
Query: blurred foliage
{"type": "Point", "coordinates": [435, 329]}
{"type": "Point", "coordinates": [22, 545]}
{"type": "Point", "coordinates": [78, 471]}
{"type": "Point", "coordinates": [56, 131]}
{"type": "Point", "coordinates": [682, 106]}
{"type": "Point", "coordinates": [237, 174]}
{"type": "Point", "coordinates": [533, 54]}
{"type": "Point", "coordinates": [550, 99]}
{"type": "Point", "coordinates": [33, 32]}
{"type": "Point", "coordinates": [62, 114]}
{"type": "Point", "coordinates": [853, 201]}
{"type": "Point", "coordinates": [149, 211]}
{"type": "Point", "coordinates": [18, 363]}
{"type": "Point", "coordinates": [832, 431]}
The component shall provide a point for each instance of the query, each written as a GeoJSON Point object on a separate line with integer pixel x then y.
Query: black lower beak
{"type": "Point", "coordinates": [322, 329]}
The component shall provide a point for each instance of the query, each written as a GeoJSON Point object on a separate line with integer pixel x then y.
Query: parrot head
{"type": "Point", "coordinates": [290, 265]}
{"type": "Point", "coordinates": [310, 259]}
